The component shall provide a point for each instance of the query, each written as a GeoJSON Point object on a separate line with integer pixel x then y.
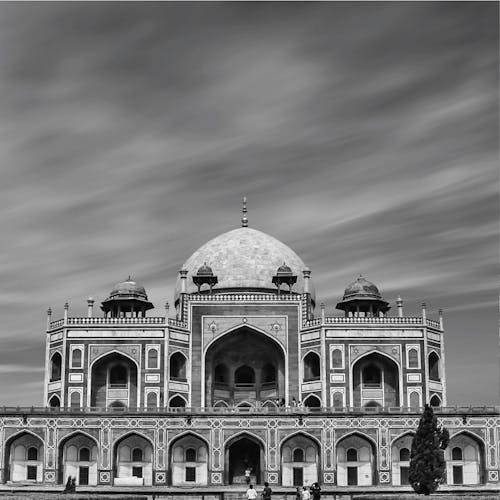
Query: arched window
{"type": "Point", "coordinates": [221, 375]}
{"type": "Point", "coordinates": [177, 402]}
{"type": "Point", "coordinates": [178, 366]}
{"type": "Point", "coordinates": [456, 453]}
{"type": "Point", "coordinates": [54, 402]}
{"type": "Point", "coordinates": [76, 358]}
{"type": "Point", "coordinates": [338, 400]}
{"type": "Point", "coordinates": [84, 455]}
{"type": "Point", "coordinates": [75, 400]}
{"type": "Point", "coordinates": [337, 358]}
{"type": "Point", "coordinates": [352, 455]}
{"type": "Point", "coordinates": [434, 366]}
{"type": "Point", "coordinates": [118, 377]}
{"type": "Point", "coordinates": [32, 453]}
{"type": "Point", "coordinates": [298, 455]}
{"type": "Point", "coordinates": [153, 358]}
{"type": "Point", "coordinates": [435, 401]}
{"type": "Point", "coordinates": [136, 455]}
{"type": "Point", "coordinates": [312, 402]}
{"type": "Point", "coordinates": [372, 376]}
{"type": "Point", "coordinates": [268, 374]}
{"type": "Point", "coordinates": [190, 455]}
{"type": "Point", "coordinates": [412, 358]}
{"type": "Point", "coordinates": [311, 367]}
{"type": "Point", "coordinates": [55, 367]}
{"type": "Point", "coordinates": [152, 400]}
{"type": "Point", "coordinates": [414, 399]}
{"type": "Point", "coordinates": [404, 455]}
{"type": "Point", "coordinates": [244, 375]}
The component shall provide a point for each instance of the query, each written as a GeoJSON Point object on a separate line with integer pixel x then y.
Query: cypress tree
{"type": "Point", "coordinates": [427, 464]}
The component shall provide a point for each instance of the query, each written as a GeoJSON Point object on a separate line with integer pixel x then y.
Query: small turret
{"type": "Point", "coordinates": [285, 275]}
{"type": "Point", "coordinates": [127, 299]}
{"type": "Point", "coordinates": [362, 298]}
{"type": "Point", "coordinates": [205, 275]}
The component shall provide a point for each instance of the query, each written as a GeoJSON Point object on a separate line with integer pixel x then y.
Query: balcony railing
{"type": "Point", "coordinates": [149, 320]}
{"type": "Point", "coordinates": [385, 320]}
{"type": "Point", "coordinates": [261, 410]}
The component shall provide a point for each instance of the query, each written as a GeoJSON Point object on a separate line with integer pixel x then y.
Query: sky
{"type": "Point", "coordinates": [365, 136]}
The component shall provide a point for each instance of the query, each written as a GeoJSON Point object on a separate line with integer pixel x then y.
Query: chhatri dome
{"type": "Point", "coordinates": [244, 258]}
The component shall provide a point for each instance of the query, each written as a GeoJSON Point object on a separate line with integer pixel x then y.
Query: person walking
{"type": "Point", "coordinates": [266, 492]}
{"type": "Point", "coordinates": [251, 493]}
{"type": "Point", "coordinates": [305, 494]}
{"type": "Point", "coordinates": [316, 491]}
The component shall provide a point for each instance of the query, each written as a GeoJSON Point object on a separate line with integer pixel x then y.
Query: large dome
{"type": "Point", "coordinates": [244, 258]}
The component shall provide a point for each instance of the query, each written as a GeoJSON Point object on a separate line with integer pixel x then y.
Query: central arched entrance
{"type": "Point", "coordinates": [244, 452]}
{"type": "Point", "coordinates": [244, 366]}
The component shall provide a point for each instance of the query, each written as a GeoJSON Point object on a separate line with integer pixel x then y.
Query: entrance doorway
{"type": "Point", "coordinates": [241, 455]}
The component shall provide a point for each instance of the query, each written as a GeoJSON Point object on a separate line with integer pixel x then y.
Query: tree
{"type": "Point", "coordinates": [427, 464]}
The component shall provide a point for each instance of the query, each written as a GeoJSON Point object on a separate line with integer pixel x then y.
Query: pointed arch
{"type": "Point", "coordinates": [299, 433]}
{"type": "Point", "coordinates": [241, 450]}
{"type": "Point", "coordinates": [73, 434]}
{"type": "Point", "coordinates": [177, 366]}
{"type": "Point", "coordinates": [132, 433]}
{"type": "Point", "coordinates": [311, 363]}
{"type": "Point", "coordinates": [400, 450]}
{"type": "Point", "coordinates": [358, 434]}
{"type": "Point", "coordinates": [55, 366]}
{"type": "Point", "coordinates": [115, 351]}
{"type": "Point", "coordinates": [99, 378]}
{"type": "Point", "coordinates": [312, 398]}
{"type": "Point", "coordinates": [362, 471]}
{"type": "Point", "coordinates": [398, 390]}
{"type": "Point", "coordinates": [177, 398]}
{"type": "Point", "coordinates": [244, 434]}
{"type": "Point", "coordinates": [261, 348]}
{"type": "Point", "coordinates": [54, 401]}
{"type": "Point", "coordinates": [21, 470]}
{"type": "Point", "coordinates": [434, 366]}
{"type": "Point", "coordinates": [128, 470]}
{"type": "Point", "coordinates": [299, 455]}
{"type": "Point", "coordinates": [185, 434]}
{"type": "Point", "coordinates": [466, 458]}
{"type": "Point", "coordinates": [250, 327]}
{"type": "Point", "coordinates": [402, 435]}
{"type": "Point", "coordinates": [435, 401]}
{"type": "Point", "coordinates": [70, 466]}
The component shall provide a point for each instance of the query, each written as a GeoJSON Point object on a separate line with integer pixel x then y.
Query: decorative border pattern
{"type": "Point", "coordinates": [216, 478]}
{"type": "Point", "coordinates": [104, 477]}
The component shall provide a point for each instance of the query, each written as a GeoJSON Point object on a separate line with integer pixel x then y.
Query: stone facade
{"type": "Point", "coordinates": [245, 382]}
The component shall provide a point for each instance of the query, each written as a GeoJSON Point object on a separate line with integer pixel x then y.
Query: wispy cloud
{"type": "Point", "coordinates": [364, 135]}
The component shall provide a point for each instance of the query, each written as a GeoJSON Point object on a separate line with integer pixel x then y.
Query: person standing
{"type": "Point", "coordinates": [266, 492]}
{"type": "Point", "coordinates": [298, 493]}
{"type": "Point", "coordinates": [247, 475]}
{"type": "Point", "coordinates": [316, 491]}
{"type": "Point", "coordinates": [251, 493]}
{"type": "Point", "coordinates": [305, 494]}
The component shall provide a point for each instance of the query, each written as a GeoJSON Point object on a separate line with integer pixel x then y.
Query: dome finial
{"type": "Point", "coordinates": [244, 219]}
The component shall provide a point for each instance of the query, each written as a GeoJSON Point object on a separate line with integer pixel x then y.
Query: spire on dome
{"type": "Point", "coordinates": [244, 219]}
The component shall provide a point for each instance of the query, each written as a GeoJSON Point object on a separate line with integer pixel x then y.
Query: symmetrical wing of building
{"type": "Point", "coordinates": [249, 374]}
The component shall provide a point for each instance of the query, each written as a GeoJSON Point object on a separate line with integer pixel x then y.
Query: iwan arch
{"type": "Point", "coordinates": [199, 393]}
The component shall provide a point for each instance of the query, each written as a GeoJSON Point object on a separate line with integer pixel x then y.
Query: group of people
{"type": "Point", "coordinates": [303, 493]}
{"type": "Point", "coordinates": [252, 493]}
